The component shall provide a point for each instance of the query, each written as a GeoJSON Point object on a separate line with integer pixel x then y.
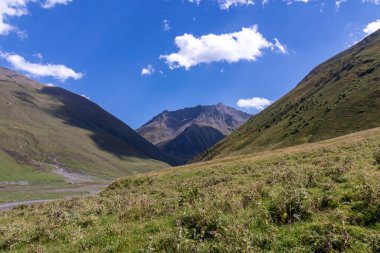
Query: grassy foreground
{"type": "Point", "coordinates": [322, 197]}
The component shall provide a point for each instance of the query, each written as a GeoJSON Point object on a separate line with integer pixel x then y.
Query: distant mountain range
{"type": "Point", "coordinates": [53, 125]}
{"type": "Point", "coordinates": [338, 97]}
{"type": "Point", "coordinates": [188, 132]}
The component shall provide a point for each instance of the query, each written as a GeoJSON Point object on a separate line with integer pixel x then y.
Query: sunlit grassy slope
{"type": "Point", "coordinates": [338, 97]}
{"type": "Point", "coordinates": [321, 197]}
{"type": "Point", "coordinates": [13, 171]}
{"type": "Point", "coordinates": [52, 125]}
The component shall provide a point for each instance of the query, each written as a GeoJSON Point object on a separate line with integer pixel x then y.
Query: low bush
{"type": "Point", "coordinates": [366, 204]}
{"type": "Point", "coordinates": [199, 225]}
{"type": "Point", "coordinates": [290, 205]}
{"type": "Point", "coordinates": [325, 238]}
{"type": "Point", "coordinates": [376, 156]}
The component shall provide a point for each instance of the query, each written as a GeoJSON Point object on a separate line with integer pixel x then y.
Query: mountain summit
{"type": "Point", "coordinates": [187, 132]}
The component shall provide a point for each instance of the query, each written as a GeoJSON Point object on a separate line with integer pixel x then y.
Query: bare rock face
{"type": "Point", "coordinates": [187, 132]}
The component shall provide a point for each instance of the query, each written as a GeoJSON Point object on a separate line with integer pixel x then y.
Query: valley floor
{"type": "Point", "coordinates": [64, 183]}
{"type": "Point", "coordinates": [321, 197]}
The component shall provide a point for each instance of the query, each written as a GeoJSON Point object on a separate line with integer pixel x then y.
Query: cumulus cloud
{"type": "Point", "coordinates": [51, 3]}
{"type": "Point", "coordinates": [147, 71]}
{"type": "Point", "coordinates": [254, 103]}
{"type": "Point", "coordinates": [372, 27]}
{"type": "Point", "coordinates": [17, 8]}
{"type": "Point", "coordinates": [59, 72]}
{"type": "Point", "coordinates": [11, 8]}
{"type": "Point", "coordinates": [247, 44]}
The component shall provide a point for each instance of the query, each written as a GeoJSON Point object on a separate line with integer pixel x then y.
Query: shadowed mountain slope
{"type": "Point", "coordinates": [187, 132]}
{"type": "Point", "coordinates": [338, 97]}
{"type": "Point", "coordinates": [194, 140]}
{"type": "Point", "coordinates": [51, 124]}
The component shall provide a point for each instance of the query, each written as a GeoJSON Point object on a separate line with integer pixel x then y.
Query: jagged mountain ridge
{"type": "Point", "coordinates": [187, 132]}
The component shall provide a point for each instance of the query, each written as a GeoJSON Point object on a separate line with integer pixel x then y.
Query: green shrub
{"type": "Point", "coordinates": [200, 226]}
{"type": "Point", "coordinates": [375, 243]}
{"type": "Point", "coordinates": [129, 183]}
{"type": "Point", "coordinates": [189, 195]}
{"type": "Point", "coordinates": [377, 158]}
{"type": "Point", "coordinates": [247, 200]}
{"type": "Point", "coordinates": [326, 238]}
{"type": "Point", "coordinates": [167, 243]}
{"type": "Point", "coordinates": [336, 174]}
{"type": "Point", "coordinates": [366, 205]}
{"type": "Point", "coordinates": [327, 202]}
{"type": "Point", "coordinates": [290, 205]}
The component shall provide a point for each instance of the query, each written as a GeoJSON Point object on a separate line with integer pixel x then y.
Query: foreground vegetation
{"type": "Point", "coordinates": [322, 197]}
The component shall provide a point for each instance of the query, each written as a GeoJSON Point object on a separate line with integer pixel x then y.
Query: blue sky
{"type": "Point", "coordinates": [137, 58]}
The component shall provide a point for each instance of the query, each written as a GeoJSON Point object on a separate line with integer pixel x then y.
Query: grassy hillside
{"type": "Point", "coordinates": [321, 197]}
{"type": "Point", "coordinates": [52, 125]}
{"type": "Point", "coordinates": [338, 97]}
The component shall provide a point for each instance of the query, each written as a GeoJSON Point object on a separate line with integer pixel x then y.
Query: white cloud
{"type": "Point", "coordinates": [11, 8]}
{"type": "Point", "coordinates": [372, 1]}
{"type": "Point", "coordinates": [18, 8]}
{"type": "Point", "coordinates": [322, 7]}
{"type": "Point", "coordinates": [147, 71]}
{"type": "Point", "coordinates": [166, 25]}
{"type": "Point", "coordinates": [372, 27]}
{"type": "Point", "coordinates": [338, 3]}
{"type": "Point", "coordinates": [195, 1]}
{"type": "Point", "coordinates": [296, 1]}
{"type": "Point", "coordinates": [59, 72]}
{"type": "Point", "coordinates": [39, 56]}
{"type": "Point", "coordinates": [247, 44]}
{"type": "Point", "coordinates": [226, 4]}
{"type": "Point", "coordinates": [254, 103]}
{"type": "Point", "coordinates": [51, 3]}
{"type": "Point", "coordinates": [279, 46]}
{"type": "Point", "coordinates": [50, 84]}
